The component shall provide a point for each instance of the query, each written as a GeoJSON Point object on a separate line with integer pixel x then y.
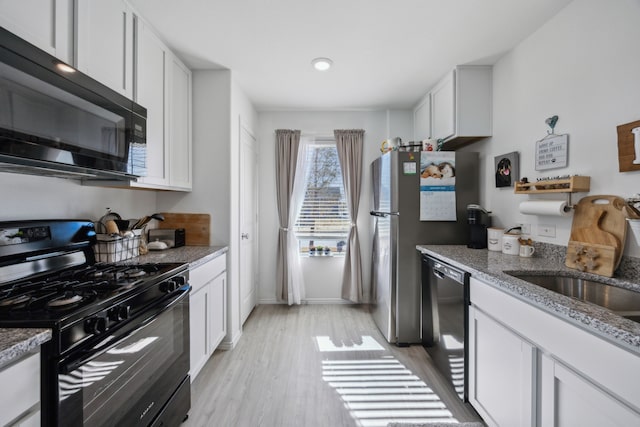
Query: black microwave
{"type": "Point", "coordinates": [57, 121]}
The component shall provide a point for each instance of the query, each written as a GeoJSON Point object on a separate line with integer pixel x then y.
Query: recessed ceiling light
{"type": "Point", "coordinates": [322, 64]}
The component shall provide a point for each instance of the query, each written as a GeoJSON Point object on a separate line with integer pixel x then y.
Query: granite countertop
{"type": "Point", "coordinates": [193, 255]}
{"type": "Point", "coordinates": [15, 342]}
{"type": "Point", "coordinates": [492, 267]}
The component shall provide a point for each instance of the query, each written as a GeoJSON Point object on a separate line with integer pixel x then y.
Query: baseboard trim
{"type": "Point", "coordinates": [308, 301]}
{"type": "Point", "coordinates": [230, 345]}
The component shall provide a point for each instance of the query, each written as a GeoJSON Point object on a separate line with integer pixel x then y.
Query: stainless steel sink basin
{"type": "Point", "coordinates": [623, 302]}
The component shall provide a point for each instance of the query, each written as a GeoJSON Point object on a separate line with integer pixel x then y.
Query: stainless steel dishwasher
{"type": "Point", "coordinates": [445, 314]}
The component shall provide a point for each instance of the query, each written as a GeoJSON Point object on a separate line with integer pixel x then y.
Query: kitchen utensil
{"type": "Point", "coordinates": [146, 219]}
{"type": "Point", "coordinates": [598, 235]}
{"type": "Point", "coordinates": [101, 225]}
{"type": "Point", "coordinates": [197, 226]}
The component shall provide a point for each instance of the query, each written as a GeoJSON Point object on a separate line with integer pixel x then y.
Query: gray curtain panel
{"type": "Point", "coordinates": [287, 145]}
{"type": "Point", "coordinates": [349, 144]}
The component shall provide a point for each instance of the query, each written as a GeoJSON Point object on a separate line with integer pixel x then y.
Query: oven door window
{"type": "Point", "coordinates": [129, 383]}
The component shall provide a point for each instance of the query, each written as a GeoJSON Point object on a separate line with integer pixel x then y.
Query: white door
{"type": "Point", "coordinates": [248, 222]}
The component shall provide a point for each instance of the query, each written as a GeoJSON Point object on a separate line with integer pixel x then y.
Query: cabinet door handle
{"type": "Point", "coordinates": [244, 236]}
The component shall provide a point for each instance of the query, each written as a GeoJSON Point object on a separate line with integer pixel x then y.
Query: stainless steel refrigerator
{"type": "Point", "coordinates": [398, 229]}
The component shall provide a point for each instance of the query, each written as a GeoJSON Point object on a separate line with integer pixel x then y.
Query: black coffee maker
{"type": "Point", "coordinates": [479, 220]}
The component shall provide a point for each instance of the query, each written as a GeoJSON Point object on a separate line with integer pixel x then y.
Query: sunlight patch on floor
{"type": "Point", "coordinates": [379, 391]}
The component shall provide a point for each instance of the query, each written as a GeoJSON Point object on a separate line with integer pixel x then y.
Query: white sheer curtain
{"type": "Point", "coordinates": [296, 279]}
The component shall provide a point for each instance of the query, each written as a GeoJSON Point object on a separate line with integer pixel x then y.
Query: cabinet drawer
{"type": "Point", "coordinates": [204, 273]}
{"type": "Point", "coordinates": [21, 387]}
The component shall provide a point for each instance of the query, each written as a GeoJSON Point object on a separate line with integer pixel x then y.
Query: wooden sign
{"type": "Point", "coordinates": [629, 147]}
{"type": "Point", "coordinates": [552, 152]}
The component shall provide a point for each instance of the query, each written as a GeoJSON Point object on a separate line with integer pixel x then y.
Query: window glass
{"type": "Point", "coordinates": [324, 219]}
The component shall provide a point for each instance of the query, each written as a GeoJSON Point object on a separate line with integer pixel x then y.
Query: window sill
{"type": "Point", "coordinates": [331, 255]}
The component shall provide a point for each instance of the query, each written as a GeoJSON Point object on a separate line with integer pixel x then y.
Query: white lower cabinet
{"type": "Point", "coordinates": [569, 399]}
{"type": "Point", "coordinates": [207, 311]}
{"type": "Point", "coordinates": [528, 367]}
{"type": "Point", "coordinates": [20, 392]}
{"type": "Point", "coordinates": [501, 372]}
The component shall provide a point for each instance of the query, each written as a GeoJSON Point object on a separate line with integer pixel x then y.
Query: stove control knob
{"type": "Point", "coordinates": [168, 286]}
{"type": "Point", "coordinates": [95, 325]}
{"type": "Point", "coordinates": [119, 313]}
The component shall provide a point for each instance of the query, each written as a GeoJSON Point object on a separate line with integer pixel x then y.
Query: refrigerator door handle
{"type": "Point", "coordinates": [383, 214]}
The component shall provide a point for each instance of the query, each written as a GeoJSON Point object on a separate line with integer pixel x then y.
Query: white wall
{"type": "Point", "coordinates": [219, 105]}
{"type": "Point", "coordinates": [34, 197]}
{"type": "Point", "coordinates": [584, 66]}
{"type": "Point", "coordinates": [323, 276]}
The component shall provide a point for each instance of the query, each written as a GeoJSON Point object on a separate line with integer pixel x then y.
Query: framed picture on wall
{"type": "Point", "coordinates": [506, 169]}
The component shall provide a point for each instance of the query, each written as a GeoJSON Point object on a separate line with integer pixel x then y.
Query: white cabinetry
{"type": "Point", "coordinates": [47, 24]}
{"type": "Point", "coordinates": [553, 372]}
{"type": "Point", "coordinates": [163, 87]}
{"type": "Point", "coordinates": [20, 392]}
{"type": "Point", "coordinates": [501, 372]}
{"type": "Point", "coordinates": [461, 106]}
{"type": "Point", "coordinates": [180, 144]}
{"type": "Point", "coordinates": [151, 92]}
{"type": "Point", "coordinates": [422, 119]}
{"type": "Point", "coordinates": [207, 311]}
{"type": "Point", "coordinates": [569, 399]}
{"type": "Point", "coordinates": [104, 43]}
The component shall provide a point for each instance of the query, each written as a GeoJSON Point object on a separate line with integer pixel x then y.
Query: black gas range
{"type": "Point", "coordinates": [119, 353]}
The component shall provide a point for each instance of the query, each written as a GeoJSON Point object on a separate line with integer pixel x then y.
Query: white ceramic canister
{"type": "Point", "coordinates": [494, 238]}
{"type": "Point", "coordinates": [511, 244]}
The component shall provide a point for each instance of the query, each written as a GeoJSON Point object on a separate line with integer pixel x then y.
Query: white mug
{"type": "Point", "coordinates": [511, 244]}
{"type": "Point", "coordinates": [527, 251]}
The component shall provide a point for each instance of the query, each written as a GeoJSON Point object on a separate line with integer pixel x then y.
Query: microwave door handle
{"type": "Point", "coordinates": [89, 355]}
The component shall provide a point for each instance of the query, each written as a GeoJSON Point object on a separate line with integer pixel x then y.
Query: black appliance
{"type": "Point", "coordinates": [119, 353]}
{"type": "Point", "coordinates": [479, 220]}
{"type": "Point", "coordinates": [445, 315]}
{"type": "Point", "coordinates": [57, 121]}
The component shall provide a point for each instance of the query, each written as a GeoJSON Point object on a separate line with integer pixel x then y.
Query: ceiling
{"type": "Point", "coordinates": [386, 54]}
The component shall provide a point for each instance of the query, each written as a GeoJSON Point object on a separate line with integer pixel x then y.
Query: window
{"type": "Point", "coordinates": [324, 219]}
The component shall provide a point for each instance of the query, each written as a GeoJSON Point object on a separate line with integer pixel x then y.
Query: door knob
{"type": "Point", "coordinates": [244, 236]}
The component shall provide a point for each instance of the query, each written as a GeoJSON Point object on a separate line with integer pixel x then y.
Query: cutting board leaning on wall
{"type": "Point", "coordinates": [197, 227]}
{"type": "Point", "coordinates": [598, 235]}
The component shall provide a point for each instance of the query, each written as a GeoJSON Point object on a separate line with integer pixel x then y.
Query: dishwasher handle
{"type": "Point", "coordinates": [442, 270]}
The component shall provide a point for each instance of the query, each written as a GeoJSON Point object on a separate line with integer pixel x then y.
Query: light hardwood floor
{"type": "Point", "coordinates": [319, 365]}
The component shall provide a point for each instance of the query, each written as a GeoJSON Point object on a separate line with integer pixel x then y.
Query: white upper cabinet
{"type": "Point", "coordinates": [163, 87]}
{"type": "Point", "coordinates": [180, 145]}
{"type": "Point", "coordinates": [443, 111]}
{"type": "Point", "coordinates": [461, 107]}
{"type": "Point", "coordinates": [104, 43]}
{"type": "Point", "coordinates": [151, 91]}
{"type": "Point", "coordinates": [422, 119]}
{"type": "Point", "coordinates": [47, 24]}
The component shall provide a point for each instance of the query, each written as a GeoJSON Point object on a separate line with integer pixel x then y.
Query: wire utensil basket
{"type": "Point", "coordinates": [114, 248]}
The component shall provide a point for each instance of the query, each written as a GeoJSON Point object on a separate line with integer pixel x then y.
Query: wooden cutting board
{"type": "Point", "coordinates": [598, 235]}
{"type": "Point", "coordinates": [197, 227]}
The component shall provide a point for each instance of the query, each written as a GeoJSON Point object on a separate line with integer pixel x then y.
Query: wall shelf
{"type": "Point", "coordinates": [573, 184]}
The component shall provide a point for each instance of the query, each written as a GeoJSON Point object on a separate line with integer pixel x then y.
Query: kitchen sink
{"type": "Point", "coordinates": [623, 302]}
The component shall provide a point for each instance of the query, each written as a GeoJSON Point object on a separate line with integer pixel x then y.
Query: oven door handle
{"type": "Point", "coordinates": [88, 355]}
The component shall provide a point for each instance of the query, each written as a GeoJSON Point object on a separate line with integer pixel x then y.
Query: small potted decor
{"type": "Point", "coordinates": [319, 250]}
{"type": "Point", "coordinates": [340, 245]}
{"type": "Point", "coordinates": [327, 250]}
{"type": "Point", "coordinates": [312, 250]}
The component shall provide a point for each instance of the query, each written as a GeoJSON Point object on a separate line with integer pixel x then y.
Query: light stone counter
{"type": "Point", "coordinates": [492, 267]}
{"type": "Point", "coordinates": [15, 342]}
{"type": "Point", "coordinates": [193, 255]}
